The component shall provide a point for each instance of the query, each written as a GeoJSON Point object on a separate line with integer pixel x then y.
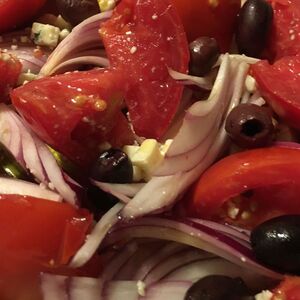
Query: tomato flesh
{"type": "Point", "coordinates": [283, 98]}
{"type": "Point", "coordinates": [209, 18]}
{"type": "Point", "coordinates": [288, 289]}
{"type": "Point", "coordinates": [143, 39]}
{"type": "Point", "coordinates": [266, 177]}
{"type": "Point", "coordinates": [16, 12]}
{"type": "Point", "coordinates": [76, 112]}
{"type": "Point", "coordinates": [285, 32]}
{"type": "Point", "coordinates": [10, 69]}
{"type": "Point", "coordinates": [39, 231]}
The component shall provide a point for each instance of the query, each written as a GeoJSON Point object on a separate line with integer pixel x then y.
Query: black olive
{"type": "Point", "coordinates": [112, 166]}
{"type": "Point", "coordinates": [250, 126]}
{"type": "Point", "coordinates": [218, 287]}
{"type": "Point", "coordinates": [276, 243]}
{"type": "Point", "coordinates": [254, 23]}
{"type": "Point", "coordinates": [97, 201]}
{"type": "Point", "coordinates": [75, 11]}
{"type": "Point", "coordinates": [204, 52]}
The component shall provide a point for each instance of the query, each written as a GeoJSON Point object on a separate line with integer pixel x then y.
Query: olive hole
{"type": "Point", "coordinates": [252, 128]}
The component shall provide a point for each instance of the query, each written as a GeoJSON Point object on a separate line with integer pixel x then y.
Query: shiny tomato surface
{"type": "Point", "coordinates": [213, 18]}
{"type": "Point", "coordinates": [279, 84]}
{"type": "Point", "coordinates": [143, 39]}
{"type": "Point", "coordinates": [76, 112]}
{"type": "Point", "coordinates": [15, 12]}
{"type": "Point", "coordinates": [285, 32]}
{"type": "Point", "coordinates": [10, 69]}
{"type": "Point", "coordinates": [262, 183]}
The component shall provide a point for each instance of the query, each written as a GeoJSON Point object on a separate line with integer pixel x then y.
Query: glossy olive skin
{"type": "Point", "coordinates": [112, 166]}
{"type": "Point", "coordinates": [218, 287]}
{"type": "Point", "coordinates": [204, 53]}
{"type": "Point", "coordinates": [75, 11]}
{"type": "Point", "coordinates": [254, 23]}
{"type": "Point", "coordinates": [250, 126]}
{"type": "Point", "coordinates": [276, 243]}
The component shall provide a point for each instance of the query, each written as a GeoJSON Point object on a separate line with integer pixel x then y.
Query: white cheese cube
{"type": "Point", "coordinates": [106, 5]}
{"type": "Point", "coordinates": [165, 147]}
{"type": "Point", "coordinates": [137, 174]}
{"type": "Point", "coordinates": [130, 150]}
{"type": "Point", "coordinates": [45, 35]}
{"type": "Point", "coordinates": [148, 156]}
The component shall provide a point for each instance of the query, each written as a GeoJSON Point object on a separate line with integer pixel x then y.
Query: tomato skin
{"type": "Point", "coordinates": [209, 18]}
{"type": "Point", "coordinates": [10, 69]}
{"type": "Point", "coordinates": [142, 39]}
{"type": "Point", "coordinates": [14, 13]}
{"type": "Point", "coordinates": [265, 172]}
{"type": "Point", "coordinates": [283, 98]}
{"type": "Point", "coordinates": [288, 289]}
{"type": "Point", "coordinates": [285, 32]}
{"type": "Point", "coordinates": [39, 233]}
{"type": "Point", "coordinates": [76, 112]}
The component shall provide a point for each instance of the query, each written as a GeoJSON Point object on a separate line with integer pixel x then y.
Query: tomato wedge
{"type": "Point", "coordinates": [283, 98]}
{"type": "Point", "coordinates": [285, 32]}
{"type": "Point", "coordinates": [16, 12]}
{"type": "Point", "coordinates": [143, 39]}
{"type": "Point", "coordinates": [76, 112]}
{"type": "Point", "coordinates": [10, 69]}
{"type": "Point", "coordinates": [209, 18]}
{"type": "Point", "coordinates": [288, 289]}
{"type": "Point", "coordinates": [260, 184]}
{"type": "Point", "coordinates": [39, 233]}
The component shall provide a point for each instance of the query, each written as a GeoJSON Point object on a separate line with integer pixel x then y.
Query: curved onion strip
{"type": "Point", "coordinates": [29, 61]}
{"type": "Point", "coordinates": [54, 287]}
{"type": "Point", "coordinates": [242, 234]}
{"type": "Point", "coordinates": [54, 173]}
{"type": "Point", "coordinates": [24, 188]}
{"type": "Point", "coordinates": [36, 156]}
{"type": "Point", "coordinates": [144, 252]}
{"type": "Point", "coordinates": [10, 134]}
{"type": "Point", "coordinates": [73, 63]}
{"type": "Point", "coordinates": [174, 290]}
{"type": "Point", "coordinates": [83, 37]}
{"type": "Point", "coordinates": [161, 191]}
{"type": "Point", "coordinates": [95, 238]}
{"type": "Point", "coordinates": [122, 191]}
{"type": "Point", "coordinates": [201, 116]}
{"type": "Point", "coordinates": [154, 260]}
{"type": "Point", "coordinates": [118, 260]}
{"type": "Point", "coordinates": [175, 261]}
{"type": "Point", "coordinates": [217, 266]}
{"type": "Point", "coordinates": [215, 242]}
{"type": "Point", "coordinates": [202, 82]}
{"type": "Point", "coordinates": [117, 290]}
{"type": "Point", "coordinates": [85, 288]}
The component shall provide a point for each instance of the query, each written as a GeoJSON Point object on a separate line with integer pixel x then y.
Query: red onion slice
{"type": "Point", "coordinates": [24, 188]}
{"type": "Point", "coordinates": [95, 238]}
{"type": "Point", "coordinates": [150, 263]}
{"type": "Point", "coordinates": [124, 192]}
{"type": "Point", "coordinates": [117, 290]}
{"type": "Point", "coordinates": [85, 288]}
{"type": "Point", "coordinates": [173, 262]}
{"type": "Point", "coordinates": [174, 290]}
{"type": "Point", "coordinates": [83, 37]}
{"type": "Point", "coordinates": [202, 82]}
{"type": "Point", "coordinates": [54, 287]}
{"type": "Point", "coordinates": [35, 155]}
{"type": "Point", "coordinates": [73, 63]}
{"type": "Point", "coordinates": [180, 169]}
{"type": "Point", "coordinates": [118, 260]}
{"type": "Point", "coordinates": [214, 242]}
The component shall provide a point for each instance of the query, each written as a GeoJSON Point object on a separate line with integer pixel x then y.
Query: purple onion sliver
{"type": "Point", "coordinates": [174, 290]}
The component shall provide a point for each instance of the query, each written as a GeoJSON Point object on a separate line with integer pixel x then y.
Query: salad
{"type": "Point", "coordinates": [149, 149]}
